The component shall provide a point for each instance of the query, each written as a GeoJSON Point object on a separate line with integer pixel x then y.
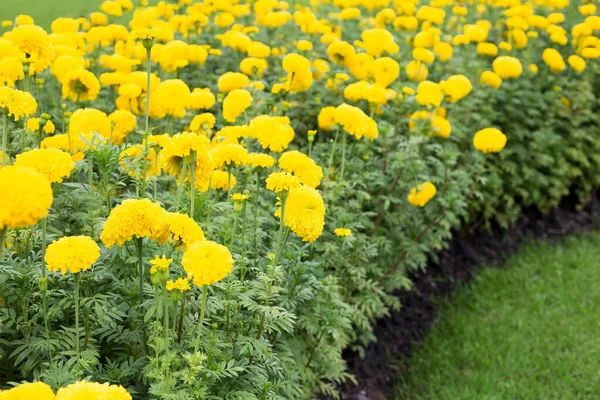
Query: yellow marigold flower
{"type": "Point", "coordinates": [181, 285]}
{"type": "Point", "coordinates": [443, 50]}
{"type": "Point", "coordinates": [66, 63]}
{"type": "Point", "coordinates": [89, 120]}
{"type": "Point", "coordinates": [232, 80]}
{"type": "Point", "coordinates": [132, 219]}
{"type": "Point", "coordinates": [17, 103]}
{"type": "Point", "coordinates": [29, 391]}
{"type": "Point", "coordinates": [282, 181]}
{"type": "Point", "coordinates": [181, 146]}
{"type": "Point", "coordinates": [229, 155]}
{"type": "Point", "coordinates": [439, 125]}
{"type": "Point", "coordinates": [160, 264]}
{"type": "Point", "coordinates": [326, 119]}
{"type": "Point", "coordinates": [123, 123]}
{"type": "Point", "coordinates": [416, 71]}
{"type": "Point", "coordinates": [456, 87]}
{"type": "Point", "coordinates": [590, 53]}
{"type": "Point", "coordinates": [301, 166]}
{"type": "Point", "coordinates": [429, 94]}
{"type": "Point", "coordinates": [490, 78]}
{"type": "Point", "coordinates": [180, 228]}
{"type": "Point", "coordinates": [487, 49]}
{"type": "Point", "coordinates": [158, 140]}
{"type": "Point", "coordinates": [554, 60]}
{"type": "Point", "coordinates": [304, 45]}
{"type": "Point", "coordinates": [64, 25]}
{"type": "Point", "coordinates": [34, 43]}
{"type": "Point", "coordinates": [11, 70]}
{"type": "Point", "coordinates": [73, 254]}
{"type": "Point", "coordinates": [132, 159]}
{"type": "Point", "coordinates": [260, 160]}
{"type": "Point", "coordinates": [489, 140]}
{"type": "Point", "coordinates": [385, 71]}
{"type": "Point", "coordinates": [54, 164]}
{"type": "Point", "coordinates": [173, 95]}
{"type": "Point", "coordinates": [221, 180]}
{"type": "Point", "coordinates": [422, 194]}
{"type": "Point", "coordinates": [112, 7]}
{"type": "Point", "coordinates": [236, 102]}
{"type": "Point", "coordinates": [80, 85]}
{"type": "Point", "coordinates": [207, 262]}
{"type": "Point", "coordinates": [6, 23]}
{"type": "Point", "coordinates": [272, 133]}
{"type": "Point", "coordinates": [92, 391]}
{"type": "Point", "coordinates": [533, 68]}
{"type": "Point", "coordinates": [423, 55]}
{"type": "Point", "coordinates": [98, 19]}
{"type": "Point", "coordinates": [253, 66]}
{"type": "Point", "coordinates": [342, 232]}
{"type": "Point", "coordinates": [305, 213]}
{"type": "Point", "coordinates": [130, 90]}
{"type": "Point", "coordinates": [356, 122]}
{"type": "Point", "coordinates": [240, 197]}
{"type": "Point", "coordinates": [577, 63]}
{"type": "Point", "coordinates": [203, 122]}
{"type": "Point", "coordinates": [25, 197]}
{"type": "Point", "coordinates": [378, 41]}
{"type": "Point", "coordinates": [340, 52]}
{"type": "Point", "coordinates": [201, 99]}
{"type": "Point", "coordinates": [507, 67]}
{"type": "Point", "coordinates": [112, 78]}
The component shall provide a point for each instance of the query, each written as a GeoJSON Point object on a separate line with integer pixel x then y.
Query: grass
{"type": "Point", "coordinates": [45, 11]}
{"type": "Point", "coordinates": [527, 331]}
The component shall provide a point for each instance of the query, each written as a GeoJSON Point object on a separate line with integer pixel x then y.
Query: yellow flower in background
{"type": "Point", "coordinates": [221, 180]}
{"type": "Point", "coordinates": [131, 160]}
{"type": "Point", "coordinates": [301, 166]}
{"type": "Point", "coordinates": [429, 94]}
{"type": "Point", "coordinates": [90, 120]}
{"type": "Point", "coordinates": [507, 67]}
{"type": "Point", "coordinates": [232, 80]}
{"type": "Point", "coordinates": [173, 96]}
{"type": "Point", "coordinates": [160, 264]}
{"type": "Point", "coordinates": [11, 70]}
{"type": "Point", "coordinates": [305, 213]}
{"type": "Point", "coordinates": [489, 140]}
{"type": "Point", "coordinates": [80, 85]}
{"type": "Point", "coordinates": [180, 228]}
{"type": "Point", "coordinates": [132, 219]}
{"type": "Point", "coordinates": [201, 99]}
{"type": "Point", "coordinates": [236, 102]}
{"type": "Point", "coordinates": [207, 262]}
{"type": "Point", "coordinates": [274, 133]}
{"type": "Point", "coordinates": [203, 122]}
{"type": "Point", "coordinates": [16, 103]}
{"type": "Point", "coordinates": [422, 194]}
{"type": "Point", "coordinates": [456, 87]}
{"type": "Point", "coordinates": [342, 232]}
{"type": "Point", "coordinates": [554, 60]}
{"type": "Point", "coordinates": [260, 160]}
{"type": "Point", "coordinates": [25, 197]}
{"type": "Point", "coordinates": [33, 42]}
{"type": "Point", "coordinates": [577, 63]}
{"type": "Point", "coordinates": [416, 71]}
{"type": "Point", "coordinates": [282, 181]}
{"type": "Point", "coordinates": [326, 118]}
{"type": "Point", "coordinates": [181, 285]}
{"type": "Point", "coordinates": [490, 78]}
{"type": "Point", "coordinates": [74, 254]}
{"type": "Point", "coordinates": [53, 164]}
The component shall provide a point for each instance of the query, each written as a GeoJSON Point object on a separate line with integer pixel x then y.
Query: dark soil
{"type": "Point", "coordinates": [399, 334]}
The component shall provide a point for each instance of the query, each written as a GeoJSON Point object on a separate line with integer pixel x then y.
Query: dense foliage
{"type": "Point", "coordinates": [204, 233]}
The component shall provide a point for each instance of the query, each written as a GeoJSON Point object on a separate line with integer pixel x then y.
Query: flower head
{"type": "Point", "coordinates": [73, 254]}
{"type": "Point", "coordinates": [302, 167]}
{"type": "Point", "coordinates": [92, 391]}
{"type": "Point", "coordinates": [282, 181]}
{"type": "Point", "coordinates": [132, 219]}
{"type": "Point", "coordinates": [25, 197]}
{"type": "Point", "coordinates": [29, 391]}
{"type": "Point", "coordinates": [207, 262]}
{"type": "Point", "coordinates": [181, 285]}
{"type": "Point", "coordinates": [305, 213]}
{"type": "Point", "coordinates": [342, 232]}
{"type": "Point", "coordinates": [489, 140]}
{"type": "Point", "coordinates": [80, 85]}
{"type": "Point", "coordinates": [54, 164]}
{"type": "Point", "coordinates": [16, 103]}
{"type": "Point", "coordinates": [420, 195]}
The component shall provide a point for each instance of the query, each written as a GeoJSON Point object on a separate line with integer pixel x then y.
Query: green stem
{"type": "Point", "coordinates": [256, 203]}
{"type": "Point", "coordinates": [281, 235]}
{"type": "Point", "coordinates": [166, 305]}
{"type": "Point", "coordinates": [148, 69]}
{"type": "Point", "coordinates": [156, 299]}
{"type": "Point", "coordinates": [140, 270]}
{"type": "Point", "coordinates": [181, 183]}
{"type": "Point", "coordinates": [193, 185]}
{"type": "Point", "coordinates": [343, 155]}
{"type": "Point", "coordinates": [90, 171]}
{"type": "Point", "coordinates": [332, 155]}
{"type": "Point", "coordinates": [5, 139]}
{"type": "Point", "coordinates": [180, 322]}
{"type": "Point", "coordinates": [77, 313]}
{"type": "Point", "coordinates": [44, 291]}
{"type": "Point", "coordinates": [201, 321]}
{"type": "Point", "coordinates": [228, 181]}
{"type": "Point", "coordinates": [243, 260]}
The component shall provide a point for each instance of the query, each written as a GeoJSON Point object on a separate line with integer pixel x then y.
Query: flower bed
{"type": "Point", "coordinates": [182, 230]}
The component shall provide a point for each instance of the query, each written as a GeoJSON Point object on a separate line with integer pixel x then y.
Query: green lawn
{"type": "Point", "coordinates": [527, 331]}
{"type": "Point", "coordinates": [45, 11]}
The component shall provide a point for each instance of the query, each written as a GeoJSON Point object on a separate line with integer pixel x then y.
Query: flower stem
{"type": "Point", "coordinates": [156, 298]}
{"type": "Point", "coordinates": [180, 322]}
{"type": "Point", "coordinates": [343, 156]}
{"type": "Point", "coordinates": [148, 68]}
{"type": "Point", "coordinates": [77, 275]}
{"type": "Point", "coordinates": [201, 321]}
{"type": "Point", "coordinates": [180, 188]}
{"type": "Point", "coordinates": [166, 320]}
{"type": "Point", "coordinates": [280, 240]}
{"type": "Point", "coordinates": [256, 204]}
{"type": "Point", "coordinates": [44, 289]}
{"type": "Point", "coordinates": [332, 155]}
{"type": "Point", "coordinates": [2, 237]}
{"type": "Point", "coordinates": [193, 185]}
{"type": "Point", "coordinates": [5, 139]}
{"type": "Point", "coordinates": [141, 285]}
